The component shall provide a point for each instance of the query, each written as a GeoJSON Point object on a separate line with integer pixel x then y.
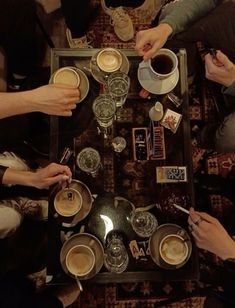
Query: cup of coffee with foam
{"type": "Point", "coordinates": [68, 202]}
{"type": "Point", "coordinates": [173, 249]}
{"type": "Point", "coordinates": [162, 66]}
{"type": "Point", "coordinates": [67, 75]}
{"type": "Point", "coordinates": [80, 260]}
{"type": "Point", "coordinates": [109, 60]}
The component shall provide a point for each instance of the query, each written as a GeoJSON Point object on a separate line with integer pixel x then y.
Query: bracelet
{"type": "Point", "coordinates": [2, 171]}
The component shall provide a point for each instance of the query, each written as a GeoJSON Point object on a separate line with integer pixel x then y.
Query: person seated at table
{"type": "Point", "coordinates": [18, 291]}
{"type": "Point", "coordinates": [210, 235]}
{"type": "Point", "coordinates": [220, 69]}
{"type": "Point", "coordinates": [19, 40]}
{"type": "Point", "coordinates": [52, 99]}
{"type": "Point", "coordinates": [78, 16]}
{"type": "Point", "coordinates": [121, 21]}
{"type": "Point", "coordinates": [175, 17]}
{"type": "Point", "coordinates": [10, 211]}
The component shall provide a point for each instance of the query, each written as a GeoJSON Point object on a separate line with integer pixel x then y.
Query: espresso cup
{"type": "Point", "coordinates": [80, 260]}
{"type": "Point", "coordinates": [68, 202]}
{"type": "Point", "coordinates": [162, 66]}
{"type": "Point", "coordinates": [67, 76]}
{"type": "Point", "coordinates": [109, 60]}
{"type": "Point", "coordinates": [173, 249]}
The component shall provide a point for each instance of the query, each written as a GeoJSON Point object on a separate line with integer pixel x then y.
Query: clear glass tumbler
{"type": "Point", "coordinates": [143, 223]}
{"type": "Point", "coordinates": [118, 87]}
{"type": "Point", "coordinates": [104, 109]}
{"type": "Point", "coordinates": [116, 258]}
{"type": "Point", "coordinates": [89, 161]}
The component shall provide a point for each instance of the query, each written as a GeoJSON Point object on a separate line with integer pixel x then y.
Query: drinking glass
{"type": "Point", "coordinates": [89, 161]}
{"type": "Point", "coordinates": [143, 223]}
{"type": "Point", "coordinates": [116, 257]}
{"type": "Point", "coordinates": [118, 87]}
{"type": "Point", "coordinates": [104, 109]}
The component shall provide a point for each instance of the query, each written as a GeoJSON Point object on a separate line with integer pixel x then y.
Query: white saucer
{"type": "Point", "coordinates": [158, 86]}
{"type": "Point", "coordinates": [101, 76]}
{"type": "Point", "coordinates": [156, 238]}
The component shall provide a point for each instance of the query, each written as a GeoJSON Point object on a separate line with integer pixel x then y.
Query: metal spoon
{"type": "Point", "coordinates": [79, 283]}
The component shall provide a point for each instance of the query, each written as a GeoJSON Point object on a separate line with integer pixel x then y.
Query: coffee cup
{"type": "Point", "coordinates": [173, 249]}
{"type": "Point", "coordinates": [80, 260]}
{"type": "Point", "coordinates": [68, 202]}
{"type": "Point", "coordinates": [162, 66]}
{"type": "Point", "coordinates": [67, 76]}
{"type": "Point", "coordinates": [109, 60]}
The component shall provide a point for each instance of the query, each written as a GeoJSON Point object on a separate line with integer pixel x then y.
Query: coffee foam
{"type": "Point", "coordinates": [173, 250]}
{"type": "Point", "coordinates": [67, 76]}
{"type": "Point", "coordinates": [68, 202]}
{"type": "Point", "coordinates": [80, 261]}
{"type": "Point", "coordinates": [109, 60]}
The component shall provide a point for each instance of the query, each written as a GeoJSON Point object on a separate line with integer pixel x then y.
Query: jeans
{"type": "Point", "coordinates": [77, 16]}
{"type": "Point", "coordinates": [18, 35]}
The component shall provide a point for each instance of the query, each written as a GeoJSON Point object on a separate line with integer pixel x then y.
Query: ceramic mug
{"type": "Point", "coordinates": [162, 66]}
{"type": "Point", "coordinates": [68, 202]}
{"type": "Point", "coordinates": [173, 249]}
{"type": "Point", "coordinates": [109, 60]}
{"type": "Point", "coordinates": [67, 76]}
{"type": "Point", "coordinates": [80, 260]}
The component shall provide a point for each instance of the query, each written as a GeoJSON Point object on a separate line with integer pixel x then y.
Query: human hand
{"type": "Point", "coordinates": [209, 234]}
{"type": "Point", "coordinates": [52, 174]}
{"type": "Point", "coordinates": [54, 99]}
{"type": "Point", "coordinates": [220, 69]}
{"type": "Point", "coordinates": [149, 41]}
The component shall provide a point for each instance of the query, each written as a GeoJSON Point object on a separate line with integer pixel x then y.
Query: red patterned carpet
{"type": "Point", "coordinates": [148, 294]}
{"type": "Point", "coordinates": [189, 294]}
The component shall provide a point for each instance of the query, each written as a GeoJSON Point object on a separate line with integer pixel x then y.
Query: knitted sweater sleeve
{"type": "Point", "coordinates": [229, 90]}
{"type": "Point", "coordinates": [185, 12]}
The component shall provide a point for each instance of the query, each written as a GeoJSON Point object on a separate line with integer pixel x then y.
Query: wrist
{"type": "Point", "coordinates": [28, 101]}
{"type": "Point", "coordinates": [232, 77]}
{"type": "Point", "coordinates": [229, 253]}
{"type": "Point", "coordinates": [166, 29]}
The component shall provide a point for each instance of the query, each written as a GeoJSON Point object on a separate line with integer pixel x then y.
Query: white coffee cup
{"type": "Point", "coordinates": [109, 60]}
{"type": "Point", "coordinates": [67, 76]}
{"type": "Point", "coordinates": [68, 202]}
{"type": "Point", "coordinates": [173, 249]}
{"type": "Point", "coordinates": [162, 66]}
{"type": "Point", "coordinates": [80, 260]}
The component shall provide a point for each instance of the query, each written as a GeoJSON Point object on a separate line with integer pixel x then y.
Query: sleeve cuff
{"type": "Point", "coordinates": [229, 90]}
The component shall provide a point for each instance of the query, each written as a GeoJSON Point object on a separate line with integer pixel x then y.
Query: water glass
{"type": "Point", "coordinates": [143, 223]}
{"type": "Point", "coordinates": [118, 87]}
{"type": "Point", "coordinates": [116, 257]}
{"type": "Point", "coordinates": [104, 109]}
{"type": "Point", "coordinates": [89, 161]}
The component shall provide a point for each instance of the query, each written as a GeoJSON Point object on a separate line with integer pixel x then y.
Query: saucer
{"type": "Point", "coordinates": [101, 76]}
{"type": "Point", "coordinates": [88, 240]}
{"type": "Point", "coordinates": [86, 205]}
{"type": "Point", "coordinates": [84, 83]}
{"type": "Point", "coordinates": [156, 238]}
{"type": "Point", "coordinates": [158, 86]}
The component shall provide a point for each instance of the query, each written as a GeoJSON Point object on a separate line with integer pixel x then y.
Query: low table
{"type": "Point", "coordinates": [121, 175]}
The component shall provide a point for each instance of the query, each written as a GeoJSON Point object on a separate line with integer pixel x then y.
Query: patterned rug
{"type": "Point", "coordinates": [148, 294]}
{"type": "Point", "coordinates": [202, 110]}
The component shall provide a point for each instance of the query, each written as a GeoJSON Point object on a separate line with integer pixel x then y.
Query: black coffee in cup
{"type": "Point", "coordinates": [162, 64]}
